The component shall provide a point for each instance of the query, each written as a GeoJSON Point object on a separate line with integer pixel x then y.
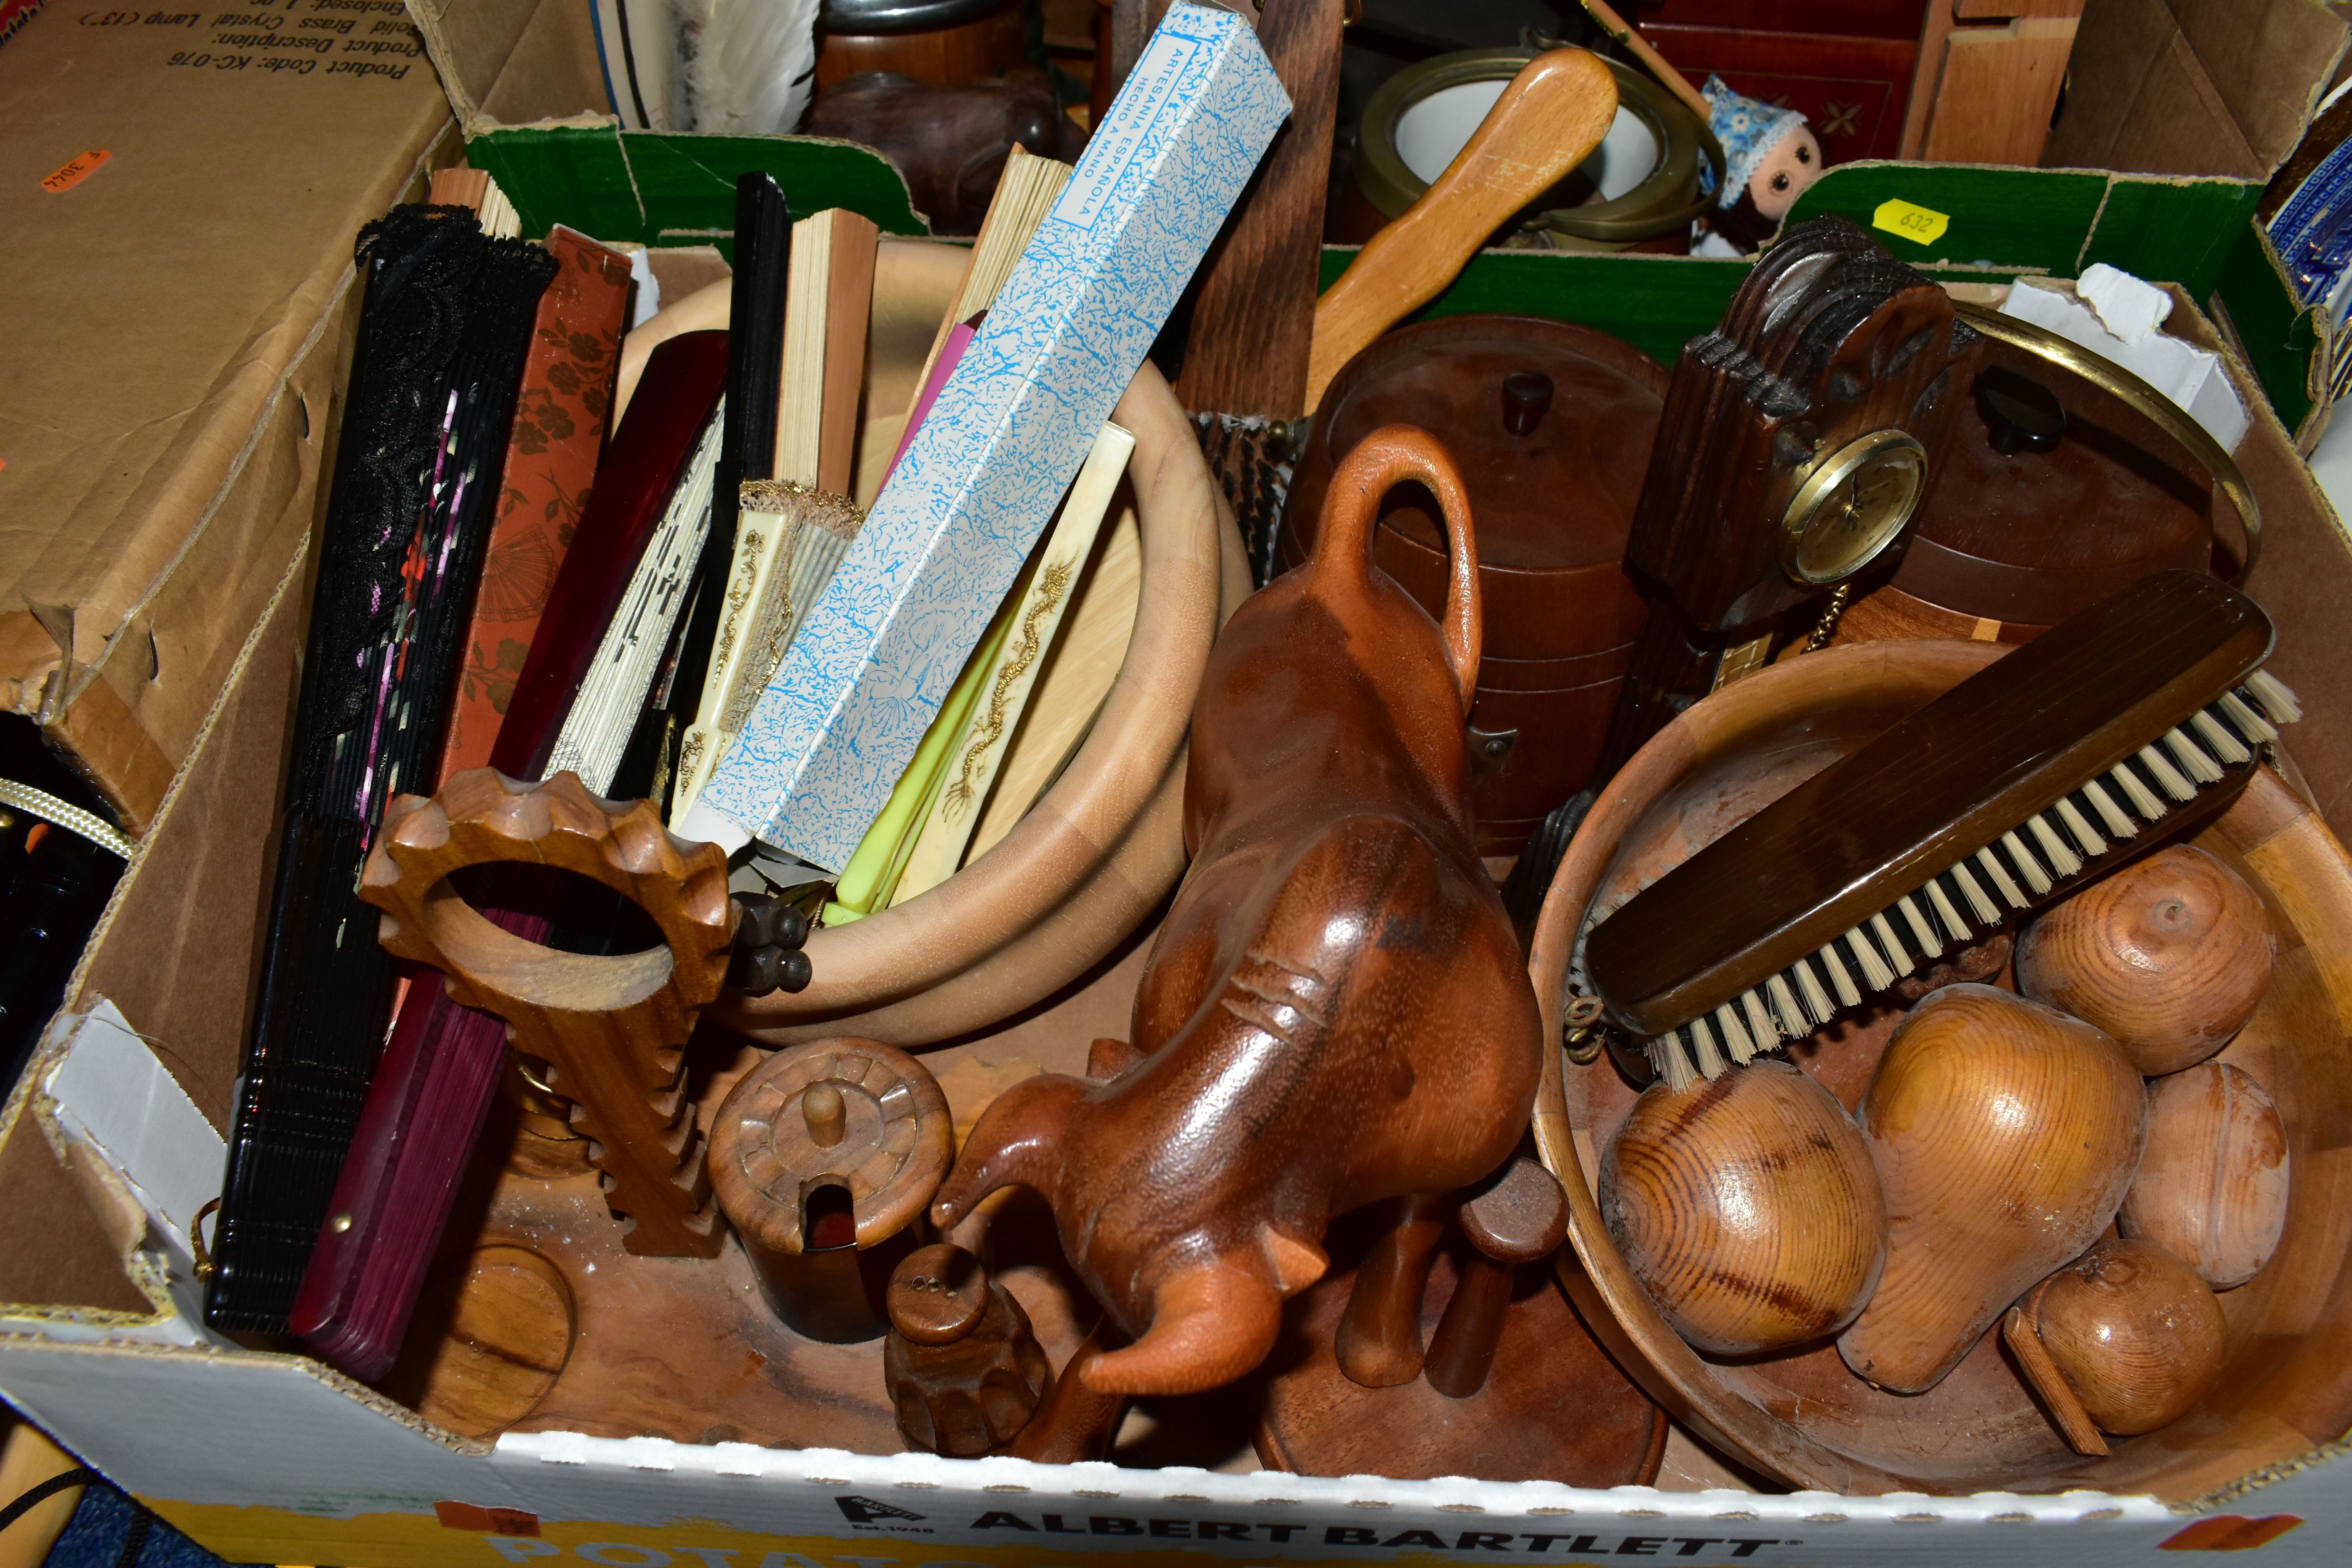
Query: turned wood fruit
{"type": "Point", "coordinates": [1748, 1207]}
{"type": "Point", "coordinates": [2169, 956]}
{"type": "Point", "coordinates": [2005, 1133]}
{"type": "Point", "coordinates": [2212, 1186]}
{"type": "Point", "coordinates": [2133, 1332]}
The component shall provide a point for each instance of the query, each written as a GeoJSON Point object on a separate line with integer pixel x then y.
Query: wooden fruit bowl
{"type": "Point", "coordinates": [1104, 845]}
{"type": "Point", "coordinates": [1804, 1419]}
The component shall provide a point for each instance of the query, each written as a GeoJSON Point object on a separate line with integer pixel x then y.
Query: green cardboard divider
{"type": "Point", "coordinates": [2279, 333]}
{"type": "Point", "coordinates": [668, 188]}
{"type": "Point", "coordinates": [2002, 219]}
{"type": "Point", "coordinates": [1657, 303]}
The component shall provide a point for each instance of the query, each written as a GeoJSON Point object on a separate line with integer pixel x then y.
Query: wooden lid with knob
{"type": "Point", "coordinates": [845, 1113]}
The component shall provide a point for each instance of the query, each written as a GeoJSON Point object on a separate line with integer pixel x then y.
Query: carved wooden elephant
{"type": "Point", "coordinates": [1335, 1011]}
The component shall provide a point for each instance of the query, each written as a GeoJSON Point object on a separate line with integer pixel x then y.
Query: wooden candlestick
{"type": "Point", "coordinates": [610, 1029]}
{"type": "Point", "coordinates": [827, 1121]}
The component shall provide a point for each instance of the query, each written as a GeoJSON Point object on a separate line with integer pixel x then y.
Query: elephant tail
{"type": "Point", "coordinates": [1017, 1141]}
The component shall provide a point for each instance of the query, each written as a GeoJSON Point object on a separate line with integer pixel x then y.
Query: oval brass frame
{"type": "Point", "coordinates": [1656, 206]}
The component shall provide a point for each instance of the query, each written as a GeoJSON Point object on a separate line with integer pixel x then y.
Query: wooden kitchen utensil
{"type": "Point", "coordinates": [823, 1158]}
{"type": "Point", "coordinates": [1331, 1014]}
{"type": "Point", "coordinates": [611, 1029]}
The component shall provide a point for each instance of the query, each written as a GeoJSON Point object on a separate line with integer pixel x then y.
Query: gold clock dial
{"type": "Point", "coordinates": [1852, 504]}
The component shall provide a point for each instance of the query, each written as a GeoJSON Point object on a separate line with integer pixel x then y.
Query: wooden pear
{"type": "Point", "coordinates": [2005, 1134]}
{"type": "Point", "coordinates": [2169, 956]}
{"type": "Point", "coordinates": [1748, 1207]}
{"type": "Point", "coordinates": [2125, 1341]}
{"type": "Point", "coordinates": [2212, 1187]}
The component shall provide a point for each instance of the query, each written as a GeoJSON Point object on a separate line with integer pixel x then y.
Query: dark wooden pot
{"type": "Point", "coordinates": [2009, 543]}
{"type": "Point", "coordinates": [1550, 507]}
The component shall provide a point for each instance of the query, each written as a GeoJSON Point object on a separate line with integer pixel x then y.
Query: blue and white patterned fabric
{"type": "Point", "coordinates": [1749, 127]}
{"type": "Point", "coordinates": [848, 703]}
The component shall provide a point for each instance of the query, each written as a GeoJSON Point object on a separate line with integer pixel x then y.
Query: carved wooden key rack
{"type": "Point", "coordinates": [612, 1030]}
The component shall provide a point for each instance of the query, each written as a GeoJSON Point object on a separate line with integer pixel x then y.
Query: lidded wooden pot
{"type": "Point", "coordinates": [1551, 425]}
{"type": "Point", "coordinates": [2062, 483]}
{"type": "Point", "coordinates": [1803, 1418]}
{"type": "Point", "coordinates": [823, 1158]}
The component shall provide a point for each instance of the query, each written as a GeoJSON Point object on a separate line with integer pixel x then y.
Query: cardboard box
{"type": "Point", "coordinates": [180, 190]}
{"type": "Point", "coordinates": [265, 1456]}
{"type": "Point", "coordinates": [268, 1456]}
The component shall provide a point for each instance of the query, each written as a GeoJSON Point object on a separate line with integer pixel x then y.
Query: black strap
{"type": "Point", "coordinates": [25, 1504]}
{"type": "Point", "coordinates": [134, 1538]}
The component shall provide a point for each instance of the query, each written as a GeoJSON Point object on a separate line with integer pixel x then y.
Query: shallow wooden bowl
{"type": "Point", "coordinates": [1104, 845]}
{"type": "Point", "coordinates": [1802, 1418]}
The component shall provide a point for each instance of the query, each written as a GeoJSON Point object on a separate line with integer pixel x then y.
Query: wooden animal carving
{"type": "Point", "coordinates": [1335, 1011]}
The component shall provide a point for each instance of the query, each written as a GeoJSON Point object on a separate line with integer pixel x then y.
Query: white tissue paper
{"type": "Point", "coordinates": [750, 65]}
{"type": "Point", "coordinates": [2117, 317]}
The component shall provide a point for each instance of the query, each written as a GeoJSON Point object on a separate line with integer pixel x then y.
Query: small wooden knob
{"type": "Point", "coordinates": [938, 1294]}
{"type": "Point", "coordinates": [826, 1115]}
{"type": "Point", "coordinates": [1526, 398]}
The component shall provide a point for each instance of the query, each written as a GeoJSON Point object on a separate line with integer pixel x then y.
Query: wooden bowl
{"type": "Point", "coordinates": [1804, 1419]}
{"type": "Point", "coordinates": [1102, 847]}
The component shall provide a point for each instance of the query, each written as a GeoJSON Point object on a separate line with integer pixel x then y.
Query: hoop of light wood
{"type": "Point", "coordinates": [2285, 1388]}
{"type": "Point", "coordinates": [1102, 847]}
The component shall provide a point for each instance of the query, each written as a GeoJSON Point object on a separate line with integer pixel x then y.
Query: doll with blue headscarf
{"type": "Point", "coordinates": [1769, 156]}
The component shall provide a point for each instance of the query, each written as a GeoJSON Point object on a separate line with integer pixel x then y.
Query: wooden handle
{"type": "Point", "coordinates": [1549, 121]}
{"type": "Point", "coordinates": [611, 1029]}
{"type": "Point", "coordinates": [1387, 457]}
{"type": "Point", "coordinates": [2021, 1331]}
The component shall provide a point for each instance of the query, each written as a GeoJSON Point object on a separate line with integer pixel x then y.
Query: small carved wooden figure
{"type": "Point", "coordinates": [1335, 1011]}
{"type": "Point", "coordinates": [964, 1368]}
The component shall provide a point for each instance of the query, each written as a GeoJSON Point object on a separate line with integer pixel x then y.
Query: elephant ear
{"type": "Point", "coordinates": [1017, 1141]}
{"type": "Point", "coordinates": [1211, 1323]}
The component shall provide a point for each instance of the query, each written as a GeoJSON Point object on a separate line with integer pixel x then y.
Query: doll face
{"type": "Point", "coordinates": [1794, 163]}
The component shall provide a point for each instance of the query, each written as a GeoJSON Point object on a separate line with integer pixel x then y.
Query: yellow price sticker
{"type": "Point", "coordinates": [1920, 226]}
